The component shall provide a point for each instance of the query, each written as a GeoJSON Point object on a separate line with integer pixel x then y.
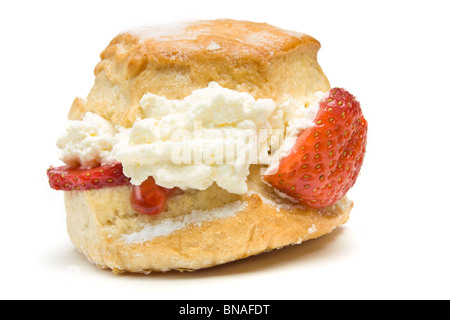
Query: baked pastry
{"type": "Point", "coordinates": [191, 149]}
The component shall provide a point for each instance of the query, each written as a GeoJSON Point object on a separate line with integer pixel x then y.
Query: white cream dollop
{"type": "Point", "coordinates": [209, 136]}
{"type": "Point", "coordinates": [88, 142]}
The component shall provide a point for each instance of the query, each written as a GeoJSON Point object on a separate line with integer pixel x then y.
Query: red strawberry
{"type": "Point", "coordinates": [72, 179]}
{"type": "Point", "coordinates": [326, 159]}
{"type": "Point", "coordinates": [149, 198]}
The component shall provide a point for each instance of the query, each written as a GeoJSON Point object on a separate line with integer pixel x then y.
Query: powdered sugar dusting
{"type": "Point", "coordinates": [283, 195]}
{"type": "Point", "coordinates": [275, 204]}
{"type": "Point", "coordinates": [213, 46]}
{"type": "Point", "coordinates": [312, 229]}
{"type": "Point", "coordinates": [196, 218]}
{"type": "Point", "coordinates": [181, 31]}
{"type": "Point", "coordinates": [294, 33]}
{"type": "Point", "coordinates": [165, 32]}
{"type": "Point", "coordinates": [261, 38]}
{"type": "Point", "coordinates": [342, 204]}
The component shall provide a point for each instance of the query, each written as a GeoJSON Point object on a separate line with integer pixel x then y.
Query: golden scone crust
{"type": "Point", "coordinates": [174, 60]}
{"type": "Point", "coordinates": [103, 226]}
{"type": "Point", "coordinates": [100, 223]}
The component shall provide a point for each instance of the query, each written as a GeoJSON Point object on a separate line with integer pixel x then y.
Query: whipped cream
{"type": "Point", "coordinates": [210, 136]}
{"type": "Point", "coordinates": [87, 143]}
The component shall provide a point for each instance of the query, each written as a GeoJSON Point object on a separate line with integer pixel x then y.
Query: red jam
{"type": "Point", "coordinates": [149, 198]}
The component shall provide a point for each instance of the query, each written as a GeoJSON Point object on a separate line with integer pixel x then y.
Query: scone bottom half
{"type": "Point", "coordinates": [232, 75]}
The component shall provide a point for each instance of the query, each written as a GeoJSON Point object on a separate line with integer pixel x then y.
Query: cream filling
{"type": "Point", "coordinates": [210, 136]}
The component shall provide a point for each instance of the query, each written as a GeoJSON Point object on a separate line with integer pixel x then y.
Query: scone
{"type": "Point", "coordinates": [205, 142]}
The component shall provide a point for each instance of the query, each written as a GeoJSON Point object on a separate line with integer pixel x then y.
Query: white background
{"type": "Point", "coordinates": [393, 55]}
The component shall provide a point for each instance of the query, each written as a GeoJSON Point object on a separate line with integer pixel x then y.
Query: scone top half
{"type": "Point", "coordinates": [174, 60]}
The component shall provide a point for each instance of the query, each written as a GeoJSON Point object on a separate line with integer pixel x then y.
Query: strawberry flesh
{"type": "Point", "coordinates": [75, 179]}
{"type": "Point", "coordinates": [326, 158]}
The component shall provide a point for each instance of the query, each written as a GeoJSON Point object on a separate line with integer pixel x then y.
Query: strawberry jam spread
{"type": "Point", "coordinates": [148, 198]}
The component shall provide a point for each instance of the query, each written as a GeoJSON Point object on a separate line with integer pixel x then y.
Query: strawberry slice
{"type": "Point", "coordinates": [327, 158]}
{"type": "Point", "coordinates": [73, 179]}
